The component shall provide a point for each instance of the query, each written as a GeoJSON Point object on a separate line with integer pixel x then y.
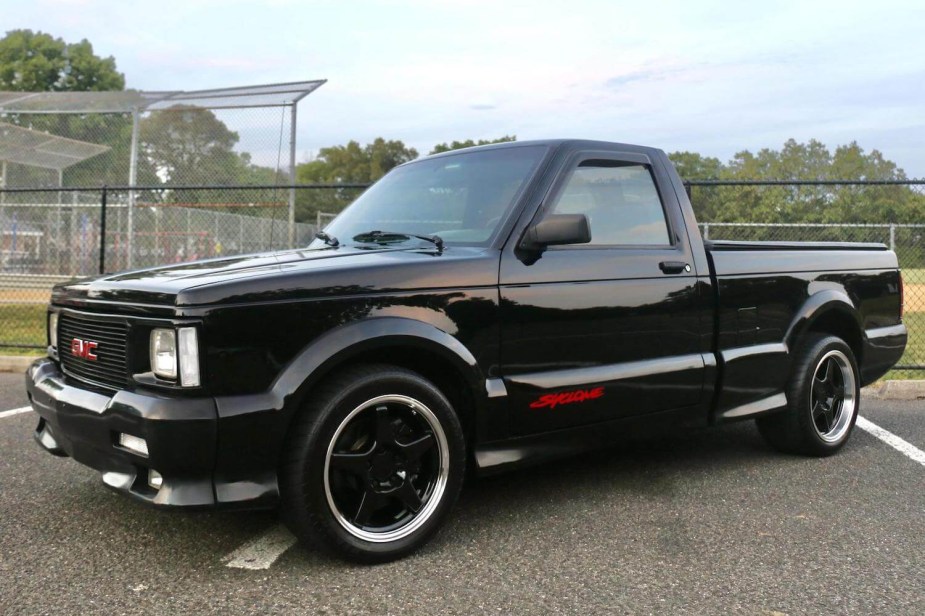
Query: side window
{"type": "Point", "coordinates": [620, 201]}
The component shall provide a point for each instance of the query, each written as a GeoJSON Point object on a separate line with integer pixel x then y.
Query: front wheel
{"type": "Point", "coordinates": [374, 465]}
{"type": "Point", "coordinates": [823, 400]}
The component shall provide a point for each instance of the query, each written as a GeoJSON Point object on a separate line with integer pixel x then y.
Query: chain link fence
{"type": "Point", "coordinates": [891, 212]}
{"type": "Point", "coordinates": [908, 241]}
{"type": "Point", "coordinates": [53, 235]}
{"type": "Point", "coordinates": [50, 235]}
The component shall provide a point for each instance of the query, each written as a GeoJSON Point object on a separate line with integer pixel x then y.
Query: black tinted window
{"type": "Point", "coordinates": [620, 201]}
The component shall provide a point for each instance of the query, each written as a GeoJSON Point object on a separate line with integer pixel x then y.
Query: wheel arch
{"type": "Point", "coordinates": [407, 343]}
{"type": "Point", "coordinates": [830, 312]}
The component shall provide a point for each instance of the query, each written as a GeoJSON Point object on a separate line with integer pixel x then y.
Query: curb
{"type": "Point", "coordinates": [882, 390]}
{"type": "Point", "coordinates": [16, 363]}
{"type": "Point", "coordinates": [895, 390]}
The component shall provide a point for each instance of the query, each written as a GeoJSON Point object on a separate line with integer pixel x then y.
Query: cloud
{"type": "Point", "coordinates": [696, 76]}
{"type": "Point", "coordinates": [641, 76]}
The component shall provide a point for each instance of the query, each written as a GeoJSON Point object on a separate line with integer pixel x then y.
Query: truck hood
{"type": "Point", "coordinates": [288, 275]}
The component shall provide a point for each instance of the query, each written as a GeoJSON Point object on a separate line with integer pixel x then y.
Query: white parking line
{"type": "Point", "coordinates": [263, 550]}
{"type": "Point", "coordinates": [904, 447]}
{"type": "Point", "coordinates": [10, 413]}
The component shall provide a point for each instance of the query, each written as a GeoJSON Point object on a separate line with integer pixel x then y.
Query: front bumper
{"type": "Point", "coordinates": [181, 435]}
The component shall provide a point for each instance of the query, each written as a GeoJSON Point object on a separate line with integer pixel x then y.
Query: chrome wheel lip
{"type": "Point", "coordinates": [847, 406]}
{"type": "Point", "coordinates": [432, 500]}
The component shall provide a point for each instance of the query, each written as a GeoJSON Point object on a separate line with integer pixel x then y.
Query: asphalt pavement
{"type": "Point", "coordinates": [712, 522]}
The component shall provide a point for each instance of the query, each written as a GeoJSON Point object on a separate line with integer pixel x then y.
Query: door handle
{"type": "Point", "coordinates": [674, 267]}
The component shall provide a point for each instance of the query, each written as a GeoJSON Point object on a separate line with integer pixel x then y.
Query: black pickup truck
{"type": "Point", "coordinates": [478, 309]}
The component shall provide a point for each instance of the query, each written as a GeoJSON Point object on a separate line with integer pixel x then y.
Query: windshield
{"type": "Point", "coordinates": [461, 198]}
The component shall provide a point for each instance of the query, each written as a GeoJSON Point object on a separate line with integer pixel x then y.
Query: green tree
{"type": "Point", "coordinates": [37, 62]}
{"type": "Point", "coordinates": [694, 166]}
{"type": "Point", "coordinates": [818, 203]}
{"type": "Point", "coordinates": [468, 143]}
{"type": "Point", "coordinates": [351, 163]}
{"type": "Point", "coordinates": [809, 161]}
{"type": "Point", "coordinates": [356, 163]}
{"type": "Point", "coordinates": [189, 145]}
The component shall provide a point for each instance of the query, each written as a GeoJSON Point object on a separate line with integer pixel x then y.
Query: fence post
{"type": "Point", "coordinates": [132, 181]}
{"type": "Point", "coordinates": [687, 189]}
{"type": "Point", "coordinates": [706, 230]}
{"type": "Point", "coordinates": [893, 236]}
{"type": "Point", "coordinates": [292, 137]}
{"type": "Point", "coordinates": [103, 197]}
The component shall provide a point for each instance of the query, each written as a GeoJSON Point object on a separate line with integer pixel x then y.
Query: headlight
{"type": "Point", "coordinates": [176, 351]}
{"type": "Point", "coordinates": [164, 353]}
{"type": "Point", "coordinates": [53, 330]}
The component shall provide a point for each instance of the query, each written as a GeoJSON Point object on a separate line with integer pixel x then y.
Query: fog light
{"type": "Point", "coordinates": [155, 480]}
{"type": "Point", "coordinates": [133, 443]}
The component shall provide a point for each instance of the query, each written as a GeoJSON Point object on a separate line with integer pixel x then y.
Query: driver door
{"type": "Point", "coordinates": [612, 328]}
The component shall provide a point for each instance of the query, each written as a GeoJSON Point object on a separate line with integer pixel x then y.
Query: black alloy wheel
{"type": "Point", "coordinates": [823, 397]}
{"type": "Point", "coordinates": [832, 396]}
{"type": "Point", "coordinates": [374, 464]}
{"type": "Point", "coordinates": [386, 468]}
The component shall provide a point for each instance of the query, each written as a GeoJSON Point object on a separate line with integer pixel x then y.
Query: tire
{"type": "Point", "coordinates": [823, 398]}
{"type": "Point", "coordinates": [373, 464]}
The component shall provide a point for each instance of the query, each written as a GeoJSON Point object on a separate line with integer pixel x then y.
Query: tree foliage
{"type": "Point", "coordinates": [182, 145]}
{"type": "Point", "coordinates": [354, 162]}
{"type": "Point", "coordinates": [351, 163]}
{"type": "Point", "coordinates": [694, 166]}
{"type": "Point", "coordinates": [189, 145]}
{"type": "Point", "coordinates": [794, 204]}
{"type": "Point", "coordinates": [468, 143]}
{"type": "Point", "coordinates": [37, 62]}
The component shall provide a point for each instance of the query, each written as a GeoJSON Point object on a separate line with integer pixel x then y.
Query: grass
{"type": "Point", "coordinates": [914, 276]}
{"type": "Point", "coordinates": [915, 348]}
{"type": "Point", "coordinates": [22, 324]}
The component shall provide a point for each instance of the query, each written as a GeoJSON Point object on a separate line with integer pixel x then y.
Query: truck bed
{"type": "Point", "coordinates": [767, 293]}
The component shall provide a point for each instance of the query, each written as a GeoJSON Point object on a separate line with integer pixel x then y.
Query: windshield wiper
{"type": "Point", "coordinates": [330, 240]}
{"type": "Point", "coordinates": [436, 240]}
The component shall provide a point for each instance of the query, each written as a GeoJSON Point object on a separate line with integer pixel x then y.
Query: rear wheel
{"type": "Point", "coordinates": [375, 463]}
{"type": "Point", "coordinates": [823, 400]}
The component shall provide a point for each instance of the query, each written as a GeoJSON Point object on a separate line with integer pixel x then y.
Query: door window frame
{"type": "Point", "coordinates": [629, 158]}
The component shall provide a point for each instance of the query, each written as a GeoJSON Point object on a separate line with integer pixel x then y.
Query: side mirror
{"type": "Point", "coordinates": [559, 229]}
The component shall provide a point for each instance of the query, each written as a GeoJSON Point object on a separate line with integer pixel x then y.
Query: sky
{"type": "Point", "coordinates": [710, 77]}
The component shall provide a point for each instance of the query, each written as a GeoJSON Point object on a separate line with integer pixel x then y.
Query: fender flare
{"type": "Point", "coordinates": [817, 305]}
{"type": "Point", "coordinates": [303, 371]}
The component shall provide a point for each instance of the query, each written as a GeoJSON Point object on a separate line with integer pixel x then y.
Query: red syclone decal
{"type": "Point", "coordinates": [83, 348]}
{"type": "Point", "coordinates": [566, 397]}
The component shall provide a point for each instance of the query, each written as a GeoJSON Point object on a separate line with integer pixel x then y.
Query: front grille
{"type": "Point", "coordinates": [110, 367]}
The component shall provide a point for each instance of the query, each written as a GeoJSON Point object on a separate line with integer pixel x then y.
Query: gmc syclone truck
{"type": "Point", "coordinates": [478, 309]}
